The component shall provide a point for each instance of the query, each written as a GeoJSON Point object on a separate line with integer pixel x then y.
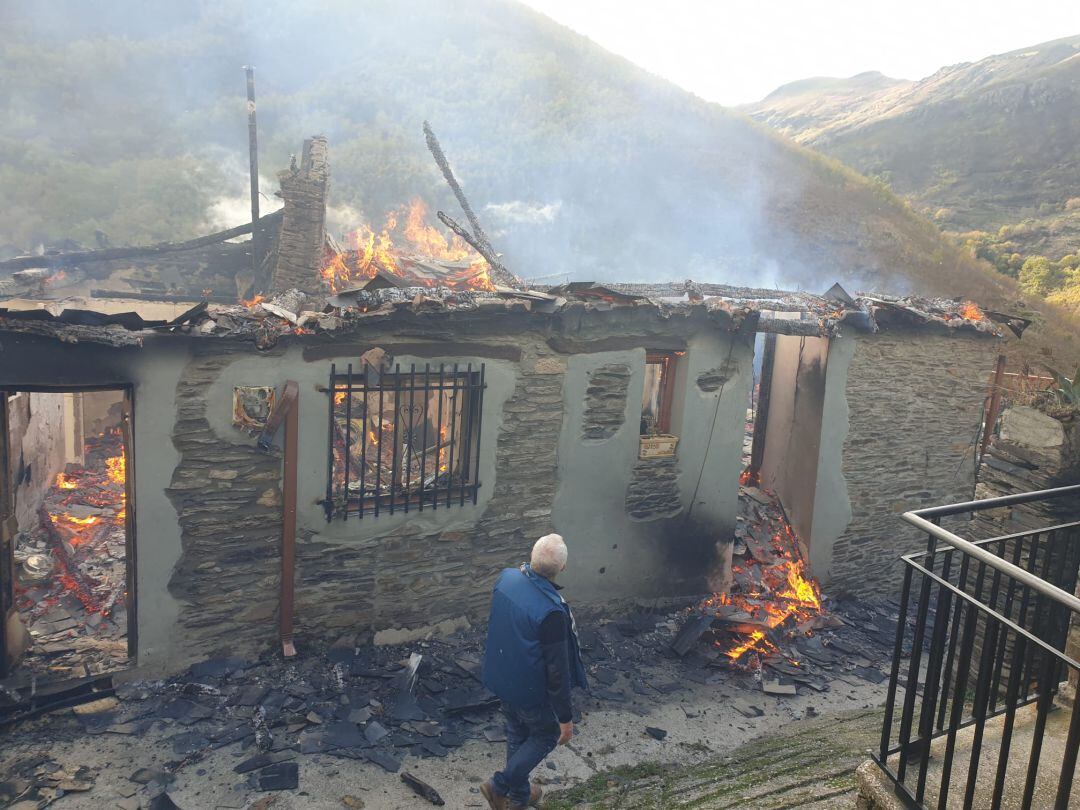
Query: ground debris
{"type": "Point", "coordinates": [422, 789]}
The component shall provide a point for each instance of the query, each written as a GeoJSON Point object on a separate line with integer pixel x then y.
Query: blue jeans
{"type": "Point", "coordinates": [531, 734]}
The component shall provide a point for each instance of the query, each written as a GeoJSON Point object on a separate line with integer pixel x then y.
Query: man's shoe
{"type": "Point", "coordinates": [535, 794]}
{"type": "Point", "coordinates": [494, 800]}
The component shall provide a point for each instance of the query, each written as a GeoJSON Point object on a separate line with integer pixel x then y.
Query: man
{"type": "Point", "coordinates": [531, 662]}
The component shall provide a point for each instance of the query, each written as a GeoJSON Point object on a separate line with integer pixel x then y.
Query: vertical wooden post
{"type": "Point", "coordinates": [288, 523]}
{"type": "Point", "coordinates": [994, 408]}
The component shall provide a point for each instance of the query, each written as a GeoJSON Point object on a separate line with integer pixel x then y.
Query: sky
{"type": "Point", "coordinates": [736, 52]}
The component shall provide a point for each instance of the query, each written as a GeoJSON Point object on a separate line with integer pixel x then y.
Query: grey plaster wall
{"type": "Point", "coordinates": [832, 506]}
{"type": "Point", "coordinates": [376, 572]}
{"type": "Point", "coordinates": [793, 431]}
{"type": "Point", "coordinates": [153, 372]}
{"type": "Point", "coordinates": [613, 555]}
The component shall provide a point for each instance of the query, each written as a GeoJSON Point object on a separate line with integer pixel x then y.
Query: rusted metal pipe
{"type": "Point", "coordinates": [286, 410]}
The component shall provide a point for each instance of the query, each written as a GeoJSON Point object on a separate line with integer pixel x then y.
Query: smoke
{"type": "Point", "coordinates": [577, 161]}
{"type": "Point", "coordinates": [519, 212]}
{"type": "Point", "coordinates": [230, 210]}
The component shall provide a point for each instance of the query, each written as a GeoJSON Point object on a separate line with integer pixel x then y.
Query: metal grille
{"type": "Point", "coordinates": [408, 440]}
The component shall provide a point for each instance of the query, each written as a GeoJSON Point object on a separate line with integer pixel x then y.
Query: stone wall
{"type": "Point", "coordinates": [1032, 451]}
{"type": "Point", "coordinates": [228, 503]}
{"type": "Point", "coordinates": [654, 489]}
{"type": "Point", "coordinates": [36, 425]}
{"type": "Point", "coordinates": [915, 407]}
{"type": "Point", "coordinates": [411, 577]}
{"type": "Point", "coordinates": [300, 245]}
{"type": "Point", "coordinates": [605, 401]}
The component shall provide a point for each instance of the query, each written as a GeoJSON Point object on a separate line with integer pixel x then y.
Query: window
{"type": "Point", "coordinates": [404, 440]}
{"type": "Point", "coordinates": [659, 392]}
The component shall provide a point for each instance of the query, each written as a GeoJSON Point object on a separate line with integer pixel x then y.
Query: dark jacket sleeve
{"type": "Point", "coordinates": [553, 643]}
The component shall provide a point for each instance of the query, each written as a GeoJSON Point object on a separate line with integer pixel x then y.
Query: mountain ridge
{"type": "Point", "coordinates": [581, 163]}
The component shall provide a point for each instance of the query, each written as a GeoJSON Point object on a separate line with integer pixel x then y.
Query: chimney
{"type": "Point", "coordinates": [300, 247]}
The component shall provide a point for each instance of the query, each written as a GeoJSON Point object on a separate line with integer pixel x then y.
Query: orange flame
{"type": "Point", "coordinates": [252, 302]}
{"type": "Point", "coordinates": [116, 468]}
{"type": "Point", "coordinates": [86, 521]}
{"type": "Point", "coordinates": [786, 593]}
{"type": "Point", "coordinates": [374, 252]}
{"type": "Point", "coordinates": [972, 312]}
{"type": "Point", "coordinates": [63, 482]}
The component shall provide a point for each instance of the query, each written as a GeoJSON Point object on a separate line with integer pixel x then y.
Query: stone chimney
{"type": "Point", "coordinates": [300, 247]}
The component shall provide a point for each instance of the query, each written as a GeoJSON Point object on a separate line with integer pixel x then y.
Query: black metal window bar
{"type": "Point", "coordinates": [401, 441]}
{"type": "Point", "coordinates": [984, 626]}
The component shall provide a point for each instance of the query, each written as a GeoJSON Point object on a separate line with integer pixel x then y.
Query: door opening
{"type": "Point", "coordinates": [67, 571]}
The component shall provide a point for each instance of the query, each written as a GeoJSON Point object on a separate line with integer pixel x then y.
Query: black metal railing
{"type": "Point", "coordinates": [401, 441]}
{"type": "Point", "coordinates": [986, 623]}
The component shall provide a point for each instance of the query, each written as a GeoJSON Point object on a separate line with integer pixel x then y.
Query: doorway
{"type": "Point", "coordinates": [68, 553]}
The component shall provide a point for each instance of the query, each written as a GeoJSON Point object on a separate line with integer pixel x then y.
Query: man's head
{"type": "Point", "coordinates": [549, 556]}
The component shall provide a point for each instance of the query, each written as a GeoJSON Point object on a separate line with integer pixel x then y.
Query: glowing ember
{"type": "Point", "coordinates": [415, 242]}
{"type": "Point", "coordinates": [748, 478]}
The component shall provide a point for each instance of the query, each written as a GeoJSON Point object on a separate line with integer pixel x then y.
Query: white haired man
{"type": "Point", "coordinates": [531, 662]}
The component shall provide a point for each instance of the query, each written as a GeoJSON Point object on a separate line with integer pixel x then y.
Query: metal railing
{"type": "Point", "coordinates": [986, 624]}
{"type": "Point", "coordinates": [407, 439]}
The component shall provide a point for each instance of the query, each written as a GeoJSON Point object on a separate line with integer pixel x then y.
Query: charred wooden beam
{"type": "Point", "coordinates": [616, 344]}
{"type": "Point", "coordinates": [164, 298]}
{"type": "Point", "coordinates": [761, 415]}
{"type": "Point", "coordinates": [783, 326]}
{"type": "Point", "coordinates": [117, 337]}
{"type": "Point", "coordinates": [478, 239]}
{"type": "Point", "coordinates": [57, 260]}
{"type": "Point", "coordinates": [425, 350]}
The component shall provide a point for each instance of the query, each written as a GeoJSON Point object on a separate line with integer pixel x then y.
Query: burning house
{"type": "Point", "coordinates": [392, 421]}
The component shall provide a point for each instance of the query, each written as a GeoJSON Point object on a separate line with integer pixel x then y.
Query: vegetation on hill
{"type": "Point", "coordinates": [987, 150]}
{"type": "Point", "coordinates": [128, 118]}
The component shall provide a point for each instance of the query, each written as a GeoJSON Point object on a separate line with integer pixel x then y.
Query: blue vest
{"type": "Point", "coordinates": [513, 661]}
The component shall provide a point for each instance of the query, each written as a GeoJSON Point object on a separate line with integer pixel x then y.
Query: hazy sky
{"type": "Point", "coordinates": [736, 52]}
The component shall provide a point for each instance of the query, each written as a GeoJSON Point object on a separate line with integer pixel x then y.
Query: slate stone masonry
{"type": "Point", "coordinates": [408, 577]}
{"type": "Point", "coordinates": [654, 489]}
{"type": "Point", "coordinates": [915, 403]}
{"type": "Point", "coordinates": [605, 401]}
{"type": "Point", "coordinates": [228, 501]}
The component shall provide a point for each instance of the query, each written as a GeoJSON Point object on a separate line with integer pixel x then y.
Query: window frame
{"type": "Point", "coordinates": [407, 389]}
{"type": "Point", "coordinates": [668, 360]}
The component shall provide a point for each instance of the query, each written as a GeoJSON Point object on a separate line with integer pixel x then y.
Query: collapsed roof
{"type": "Point", "coordinates": [382, 299]}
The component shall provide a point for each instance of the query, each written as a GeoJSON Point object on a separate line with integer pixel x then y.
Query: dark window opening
{"type": "Point", "coordinates": [659, 392]}
{"type": "Point", "coordinates": [404, 440]}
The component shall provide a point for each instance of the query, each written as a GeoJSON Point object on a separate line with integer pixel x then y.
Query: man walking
{"type": "Point", "coordinates": [532, 660]}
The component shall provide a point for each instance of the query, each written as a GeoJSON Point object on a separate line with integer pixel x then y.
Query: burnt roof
{"type": "Point", "coordinates": [726, 307]}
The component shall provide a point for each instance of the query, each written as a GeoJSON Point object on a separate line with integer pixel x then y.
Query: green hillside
{"type": "Point", "coordinates": [128, 118]}
{"type": "Point", "coordinates": [989, 150]}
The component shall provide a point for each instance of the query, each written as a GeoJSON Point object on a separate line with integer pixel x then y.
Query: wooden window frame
{"type": "Point", "coordinates": [668, 362]}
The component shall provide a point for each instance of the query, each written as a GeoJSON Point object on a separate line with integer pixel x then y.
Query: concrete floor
{"type": "Point", "coordinates": [1046, 784]}
{"type": "Point", "coordinates": [701, 724]}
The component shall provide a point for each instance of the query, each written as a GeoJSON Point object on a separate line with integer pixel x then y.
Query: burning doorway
{"type": "Point", "coordinates": [67, 550]}
{"type": "Point", "coordinates": [765, 593]}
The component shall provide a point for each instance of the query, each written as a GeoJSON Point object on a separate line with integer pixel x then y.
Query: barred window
{"type": "Point", "coordinates": [407, 440]}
